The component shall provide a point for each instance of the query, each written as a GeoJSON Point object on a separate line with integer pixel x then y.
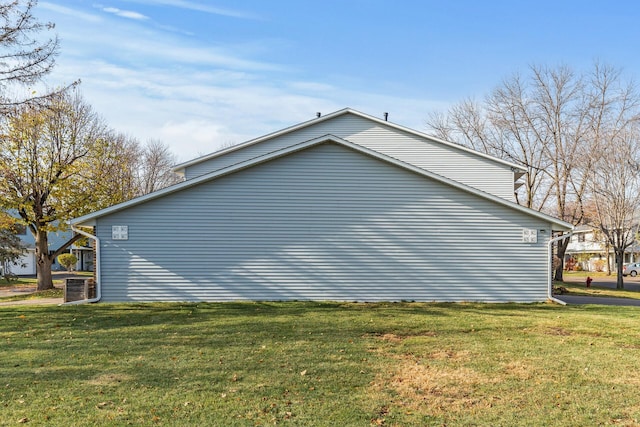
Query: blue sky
{"type": "Point", "coordinates": [197, 74]}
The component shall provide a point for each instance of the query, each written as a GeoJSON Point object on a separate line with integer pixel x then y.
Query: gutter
{"type": "Point", "coordinates": [96, 266]}
{"type": "Point", "coordinates": [550, 267]}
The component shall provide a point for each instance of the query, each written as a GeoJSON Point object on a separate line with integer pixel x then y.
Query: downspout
{"type": "Point", "coordinates": [96, 266]}
{"type": "Point", "coordinates": [550, 267]}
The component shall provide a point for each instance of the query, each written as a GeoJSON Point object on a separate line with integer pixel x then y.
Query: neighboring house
{"type": "Point", "coordinates": [343, 207]}
{"type": "Point", "coordinates": [587, 250]}
{"type": "Point", "coordinates": [26, 266]}
{"type": "Point", "coordinates": [84, 254]}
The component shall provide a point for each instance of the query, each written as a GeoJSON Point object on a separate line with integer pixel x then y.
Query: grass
{"type": "Point", "coordinates": [578, 287]}
{"type": "Point", "coordinates": [584, 274]}
{"type": "Point", "coordinates": [598, 291]}
{"type": "Point", "coordinates": [49, 293]}
{"type": "Point", "coordinates": [24, 282]}
{"type": "Point", "coordinates": [20, 282]}
{"type": "Point", "coordinates": [303, 363]}
{"type": "Point", "coordinates": [31, 281]}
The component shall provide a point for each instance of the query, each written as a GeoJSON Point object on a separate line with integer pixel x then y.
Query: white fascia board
{"type": "Point", "coordinates": [180, 168]}
{"type": "Point", "coordinates": [90, 218]}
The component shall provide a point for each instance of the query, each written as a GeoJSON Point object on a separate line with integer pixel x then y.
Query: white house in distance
{"type": "Point", "coordinates": [587, 250]}
{"type": "Point", "coordinates": [345, 207]}
{"type": "Point", "coordinates": [26, 265]}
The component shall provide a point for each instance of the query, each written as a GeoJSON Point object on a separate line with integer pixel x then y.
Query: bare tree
{"type": "Point", "coordinates": [501, 127]}
{"type": "Point", "coordinates": [552, 124]}
{"type": "Point", "coordinates": [25, 58]}
{"type": "Point", "coordinates": [155, 167]}
{"type": "Point", "coordinates": [515, 119]}
{"type": "Point", "coordinates": [615, 188]}
{"type": "Point", "coordinates": [122, 169]}
{"type": "Point", "coordinates": [113, 172]}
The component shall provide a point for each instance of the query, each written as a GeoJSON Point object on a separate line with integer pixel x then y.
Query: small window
{"type": "Point", "coordinates": [581, 237]}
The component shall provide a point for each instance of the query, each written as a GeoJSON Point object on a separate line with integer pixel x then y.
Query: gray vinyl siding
{"type": "Point", "coordinates": [325, 223]}
{"type": "Point", "coordinates": [451, 162]}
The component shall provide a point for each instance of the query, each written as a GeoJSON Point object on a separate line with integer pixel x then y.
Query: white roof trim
{"type": "Point", "coordinates": [180, 167]}
{"type": "Point", "coordinates": [89, 219]}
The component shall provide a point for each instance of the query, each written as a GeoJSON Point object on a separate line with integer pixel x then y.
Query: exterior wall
{"type": "Point", "coordinates": [326, 223]}
{"type": "Point", "coordinates": [459, 165]}
{"type": "Point", "coordinates": [26, 265]}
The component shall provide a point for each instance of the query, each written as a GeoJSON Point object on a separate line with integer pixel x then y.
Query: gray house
{"type": "Point", "coordinates": [343, 207]}
{"type": "Point", "coordinates": [26, 265]}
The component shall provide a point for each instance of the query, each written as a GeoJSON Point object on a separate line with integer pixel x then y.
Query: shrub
{"type": "Point", "coordinates": [559, 290]}
{"type": "Point", "coordinates": [67, 261]}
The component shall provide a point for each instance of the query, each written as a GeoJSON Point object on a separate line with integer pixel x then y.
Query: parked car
{"type": "Point", "coordinates": [631, 269]}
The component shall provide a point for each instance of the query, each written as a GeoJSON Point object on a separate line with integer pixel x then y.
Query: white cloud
{"type": "Point", "coordinates": [312, 86]}
{"type": "Point", "coordinates": [125, 42]}
{"type": "Point", "coordinates": [195, 136]}
{"type": "Point", "coordinates": [69, 12]}
{"type": "Point", "coordinates": [195, 97]}
{"type": "Point", "coordinates": [125, 13]}
{"type": "Point", "coordinates": [198, 114]}
{"type": "Point", "coordinates": [199, 7]}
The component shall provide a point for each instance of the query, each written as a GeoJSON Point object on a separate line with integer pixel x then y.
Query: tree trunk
{"type": "Point", "coordinates": [619, 264]}
{"type": "Point", "coordinates": [561, 249]}
{"type": "Point", "coordinates": [43, 261]}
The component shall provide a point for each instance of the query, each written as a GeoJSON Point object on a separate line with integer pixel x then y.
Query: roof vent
{"type": "Point", "coordinates": [318, 114]}
{"type": "Point", "coordinates": [386, 116]}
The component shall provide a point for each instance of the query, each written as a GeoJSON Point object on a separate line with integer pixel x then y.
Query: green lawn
{"type": "Point", "coordinates": [325, 364]}
{"type": "Point", "coordinates": [29, 282]}
{"type": "Point", "coordinates": [49, 293]}
{"type": "Point", "coordinates": [32, 281]}
{"type": "Point", "coordinates": [22, 281]}
{"type": "Point", "coordinates": [597, 291]}
{"type": "Point", "coordinates": [584, 274]}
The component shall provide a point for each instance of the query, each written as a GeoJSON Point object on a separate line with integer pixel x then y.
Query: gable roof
{"type": "Point", "coordinates": [180, 167]}
{"type": "Point", "coordinates": [89, 219]}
